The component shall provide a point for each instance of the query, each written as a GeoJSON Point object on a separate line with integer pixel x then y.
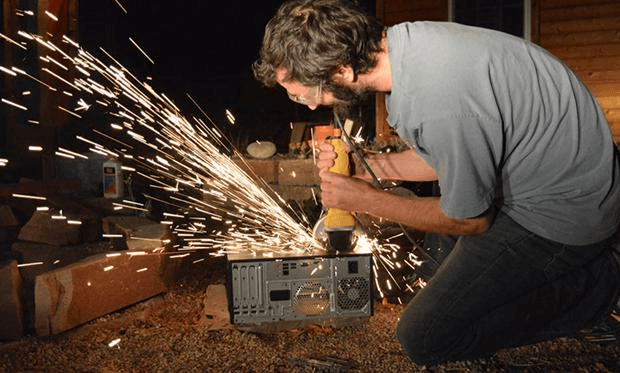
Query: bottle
{"type": "Point", "coordinates": [112, 179]}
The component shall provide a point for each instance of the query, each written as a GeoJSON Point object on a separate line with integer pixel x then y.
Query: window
{"type": "Point", "coordinates": [511, 16]}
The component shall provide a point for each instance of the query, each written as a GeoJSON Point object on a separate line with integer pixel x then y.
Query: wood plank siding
{"type": "Point", "coordinates": [391, 12]}
{"type": "Point", "coordinates": [585, 34]}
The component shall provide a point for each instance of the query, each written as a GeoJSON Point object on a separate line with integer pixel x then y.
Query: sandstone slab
{"type": "Point", "coordinates": [298, 172]}
{"type": "Point", "coordinates": [78, 293]}
{"type": "Point", "coordinates": [11, 310]}
{"type": "Point", "coordinates": [45, 227]}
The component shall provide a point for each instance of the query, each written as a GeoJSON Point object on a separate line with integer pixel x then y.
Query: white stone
{"type": "Point", "coordinates": [261, 149]}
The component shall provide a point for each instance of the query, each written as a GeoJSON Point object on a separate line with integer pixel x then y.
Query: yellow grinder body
{"type": "Point", "coordinates": [339, 224]}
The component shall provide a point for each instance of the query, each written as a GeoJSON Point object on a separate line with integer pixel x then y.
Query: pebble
{"type": "Point", "coordinates": [261, 149]}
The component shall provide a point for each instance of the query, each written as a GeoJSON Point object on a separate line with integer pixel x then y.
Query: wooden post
{"type": "Point", "coordinates": [51, 116]}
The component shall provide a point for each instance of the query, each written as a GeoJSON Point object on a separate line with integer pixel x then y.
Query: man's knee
{"type": "Point", "coordinates": [416, 339]}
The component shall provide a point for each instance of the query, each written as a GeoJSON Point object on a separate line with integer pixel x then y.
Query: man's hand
{"type": "Point", "coordinates": [325, 157]}
{"type": "Point", "coordinates": [339, 191]}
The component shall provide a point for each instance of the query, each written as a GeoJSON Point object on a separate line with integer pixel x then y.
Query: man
{"type": "Point", "coordinates": [522, 153]}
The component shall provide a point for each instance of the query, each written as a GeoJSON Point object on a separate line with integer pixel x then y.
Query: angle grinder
{"type": "Point", "coordinates": [338, 229]}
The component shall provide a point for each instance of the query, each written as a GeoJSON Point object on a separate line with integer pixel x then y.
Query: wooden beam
{"type": "Point", "coordinates": [587, 11]}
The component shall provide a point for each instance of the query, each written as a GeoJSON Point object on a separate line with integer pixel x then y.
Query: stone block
{"type": "Point", "coordinates": [299, 193]}
{"type": "Point", "coordinates": [265, 169]}
{"type": "Point", "coordinates": [151, 238]}
{"type": "Point", "coordinates": [78, 293]}
{"type": "Point", "coordinates": [11, 310]}
{"type": "Point", "coordinates": [41, 187]}
{"type": "Point", "coordinates": [42, 228]}
{"type": "Point", "coordinates": [124, 225]}
{"type": "Point", "coordinates": [38, 258]}
{"type": "Point", "coordinates": [89, 171]}
{"type": "Point", "coordinates": [298, 172]}
{"type": "Point", "coordinates": [140, 233]}
{"type": "Point", "coordinates": [215, 314]}
{"type": "Point", "coordinates": [7, 217]}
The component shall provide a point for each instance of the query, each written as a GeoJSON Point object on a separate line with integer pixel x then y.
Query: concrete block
{"type": "Point", "coordinates": [298, 172]}
{"type": "Point", "coordinates": [11, 310]}
{"type": "Point", "coordinates": [42, 228]}
{"type": "Point", "coordinates": [78, 293]}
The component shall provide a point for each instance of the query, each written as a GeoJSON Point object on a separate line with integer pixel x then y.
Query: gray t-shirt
{"type": "Point", "coordinates": [501, 119]}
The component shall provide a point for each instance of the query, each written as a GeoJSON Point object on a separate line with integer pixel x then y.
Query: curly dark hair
{"type": "Point", "coordinates": [311, 39]}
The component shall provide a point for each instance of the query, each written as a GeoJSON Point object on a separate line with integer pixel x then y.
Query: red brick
{"type": "Point", "coordinates": [11, 314]}
{"type": "Point", "coordinates": [78, 293]}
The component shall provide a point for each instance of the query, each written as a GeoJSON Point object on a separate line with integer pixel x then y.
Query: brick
{"type": "Point", "coordinates": [42, 228]}
{"type": "Point", "coordinates": [11, 310]}
{"type": "Point", "coordinates": [298, 172]}
{"type": "Point", "coordinates": [81, 292]}
{"type": "Point", "coordinates": [266, 169]}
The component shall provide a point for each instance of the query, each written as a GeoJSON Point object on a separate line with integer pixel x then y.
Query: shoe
{"type": "Point", "coordinates": [605, 331]}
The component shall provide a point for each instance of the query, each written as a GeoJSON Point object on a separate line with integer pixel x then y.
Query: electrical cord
{"type": "Point", "coordinates": [375, 181]}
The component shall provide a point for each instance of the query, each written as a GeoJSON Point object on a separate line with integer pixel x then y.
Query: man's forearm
{"type": "Point", "coordinates": [406, 166]}
{"type": "Point", "coordinates": [423, 214]}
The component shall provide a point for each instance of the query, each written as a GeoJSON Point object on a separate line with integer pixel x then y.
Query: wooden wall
{"type": "Point", "coordinates": [585, 34]}
{"type": "Point", "coordinates": [391, 12]}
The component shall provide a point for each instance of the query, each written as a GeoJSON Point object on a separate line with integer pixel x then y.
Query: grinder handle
{"type": "Point", "coordinates": [337, 218]}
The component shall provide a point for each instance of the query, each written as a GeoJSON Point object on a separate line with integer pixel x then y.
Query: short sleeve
{"type": "Point", "coordinates": [465, 152]}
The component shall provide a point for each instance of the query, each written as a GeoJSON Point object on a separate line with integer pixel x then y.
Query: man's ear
{"type": "Point", "coordinates": [345, 75]}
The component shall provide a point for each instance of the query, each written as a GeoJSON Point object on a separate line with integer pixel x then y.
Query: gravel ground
{"type": "Point", "coordinates": [170, 333]}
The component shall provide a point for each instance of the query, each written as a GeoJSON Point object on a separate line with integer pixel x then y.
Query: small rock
{"type": "Point", "coordinates": [261, 149]}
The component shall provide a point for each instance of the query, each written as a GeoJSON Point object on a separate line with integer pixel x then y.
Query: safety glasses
{"type": "Point", "coordinates": [311, 98]}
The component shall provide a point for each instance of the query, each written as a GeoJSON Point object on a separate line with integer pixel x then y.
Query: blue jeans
{"type": "Point", "coordinates": [506, 288]}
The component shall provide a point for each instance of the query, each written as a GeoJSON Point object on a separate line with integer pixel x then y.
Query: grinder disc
{"type": "Point", "coordinates": [336, 239]}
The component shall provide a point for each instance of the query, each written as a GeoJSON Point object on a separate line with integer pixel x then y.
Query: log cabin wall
{"type": "Point", "coordinates": [391, 12]}
{"type": "Point", "coordinates": [585, 34]}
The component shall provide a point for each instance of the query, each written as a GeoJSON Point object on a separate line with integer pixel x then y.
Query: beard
{"type": "Point", "coordinates": [348, 100]}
